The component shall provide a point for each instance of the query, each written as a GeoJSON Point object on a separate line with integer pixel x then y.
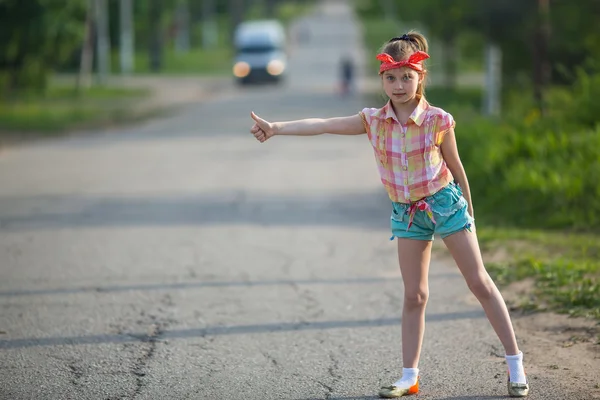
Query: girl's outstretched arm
{"type": "Point", "coordinates": [263, 130]}
{"type": "Point", "coordinates": [452, 159]}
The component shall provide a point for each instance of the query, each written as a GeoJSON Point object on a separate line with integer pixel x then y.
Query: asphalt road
{"type": "Point", "coordinates": [181, 259]}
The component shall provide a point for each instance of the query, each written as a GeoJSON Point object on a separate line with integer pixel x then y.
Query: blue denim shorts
{"type": "Point", "coordinates": [447, 207]}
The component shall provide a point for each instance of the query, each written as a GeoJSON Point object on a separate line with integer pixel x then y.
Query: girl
{"type": "Point", "coordinates": [418, 161]}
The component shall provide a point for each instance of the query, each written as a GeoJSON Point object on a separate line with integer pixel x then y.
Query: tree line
{"type": "Point", "coordinates": [39, 37]}
{"type": "Point", "coordinates": [543, 42]}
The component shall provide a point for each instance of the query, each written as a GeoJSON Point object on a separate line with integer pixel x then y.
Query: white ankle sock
{"type": "Point", "coordinates": [409, 378]}
{"type": "Point", "coordinates": [515, 368]}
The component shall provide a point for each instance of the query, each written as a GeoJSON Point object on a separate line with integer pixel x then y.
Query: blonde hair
{"type": "Point", "coordinates": [400, 48]}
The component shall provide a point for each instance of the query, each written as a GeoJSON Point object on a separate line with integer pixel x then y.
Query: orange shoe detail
{"type": "Point", "coordinates": [390, 392]}
{"type": "Point", "coordinates": [414, 389]}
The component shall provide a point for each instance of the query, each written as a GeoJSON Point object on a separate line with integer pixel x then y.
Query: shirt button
{"type": "Point", "coordinates": [405, 167]}
{"type": "Point", "coordinates": [403, 134]}
{"type": "Point", "coordinates": [406, 181]}
{"type": "Point", "coordinates": [404, 149]}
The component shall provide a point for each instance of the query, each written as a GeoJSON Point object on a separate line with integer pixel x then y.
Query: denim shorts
{"type": "Point", "coordinates": [447, 207]}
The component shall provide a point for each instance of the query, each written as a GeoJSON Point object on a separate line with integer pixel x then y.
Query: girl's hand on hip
{"type": "Point", "coordinates": [262, 129]}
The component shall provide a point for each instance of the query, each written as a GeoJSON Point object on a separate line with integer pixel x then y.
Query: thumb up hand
{"type": "Point", "coordinates": [262, 129]}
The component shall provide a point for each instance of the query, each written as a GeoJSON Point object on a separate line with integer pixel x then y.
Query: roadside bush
{"type": "Point", "coordinates": [533, 177]}
{"type": "Point", "coordinates": [532, 171]}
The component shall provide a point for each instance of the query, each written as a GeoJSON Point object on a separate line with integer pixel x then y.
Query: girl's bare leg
{"type": "Point", "coordinates": [464, 248]}
{"type": "Point", "coordinates": [414, 257]}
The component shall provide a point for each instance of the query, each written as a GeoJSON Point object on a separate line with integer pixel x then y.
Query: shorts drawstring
{"type": "Point", "coordinates": [420, 205]}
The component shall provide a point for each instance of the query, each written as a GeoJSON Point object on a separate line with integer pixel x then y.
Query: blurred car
{"type": "Point", "coordinates": [260, 48]}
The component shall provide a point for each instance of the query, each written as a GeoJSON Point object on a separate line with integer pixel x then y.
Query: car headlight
{"type": "Point", "coordinates": [241, 69]}
{"type": "Point", "coordinates": [275, 67]}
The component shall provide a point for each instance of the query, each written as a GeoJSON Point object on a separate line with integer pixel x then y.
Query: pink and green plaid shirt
{"type": "Point", "coordinates": [409, 156]}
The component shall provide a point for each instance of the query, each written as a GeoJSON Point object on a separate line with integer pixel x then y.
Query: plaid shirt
{"type": "Point", "coordinates": [408, 156]}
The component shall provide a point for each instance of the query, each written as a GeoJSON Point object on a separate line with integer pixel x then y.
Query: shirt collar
{"type": "Point", "coordinates": [388, 110]}
{"type": "Point", "coordinates": [417, 116]}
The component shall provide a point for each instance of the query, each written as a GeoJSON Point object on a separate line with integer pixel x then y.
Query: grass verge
{"type": "Point", "coordinates": [62, 108]}
{"type": "Point", "coordinates": [564, 268]}
{"type": "Point", "coordinates": [196, 61]}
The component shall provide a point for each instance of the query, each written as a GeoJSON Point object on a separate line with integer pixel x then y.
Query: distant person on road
{"type": "Point", "coordinates": [418, 161]}
{"type": "Point", "coordinates": [346, 75]}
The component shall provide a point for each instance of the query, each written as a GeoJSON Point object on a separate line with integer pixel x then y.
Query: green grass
{"type": "Point", "coordinates": [62, 108]}
{"type": "Point", "coordinates": [69, 93]}
{"type": "Point", "coordinates": [565, 267]}
{"type": "Point", "coordinates": [197, 61]}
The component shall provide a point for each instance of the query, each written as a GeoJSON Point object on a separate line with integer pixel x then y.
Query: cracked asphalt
{"type": "Point", "coordinates": [181, 259]}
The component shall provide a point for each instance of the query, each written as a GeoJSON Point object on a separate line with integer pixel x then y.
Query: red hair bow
{"type": "Point", "coordinates": [414, 61]}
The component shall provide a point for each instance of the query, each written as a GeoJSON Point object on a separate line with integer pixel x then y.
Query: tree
{"type": "Point", "coordinates": [155, 45]}
{"type": "Point", "coordinates": [37, 36]}
{"type": "Point", "coordinates": [542, 41]}
{"type": "Point", "coordinates": [541, 67]}
{"type": "Point", "coordinates": [87, 50]}
{"type": "Point", "coordinates": [237, 10]}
